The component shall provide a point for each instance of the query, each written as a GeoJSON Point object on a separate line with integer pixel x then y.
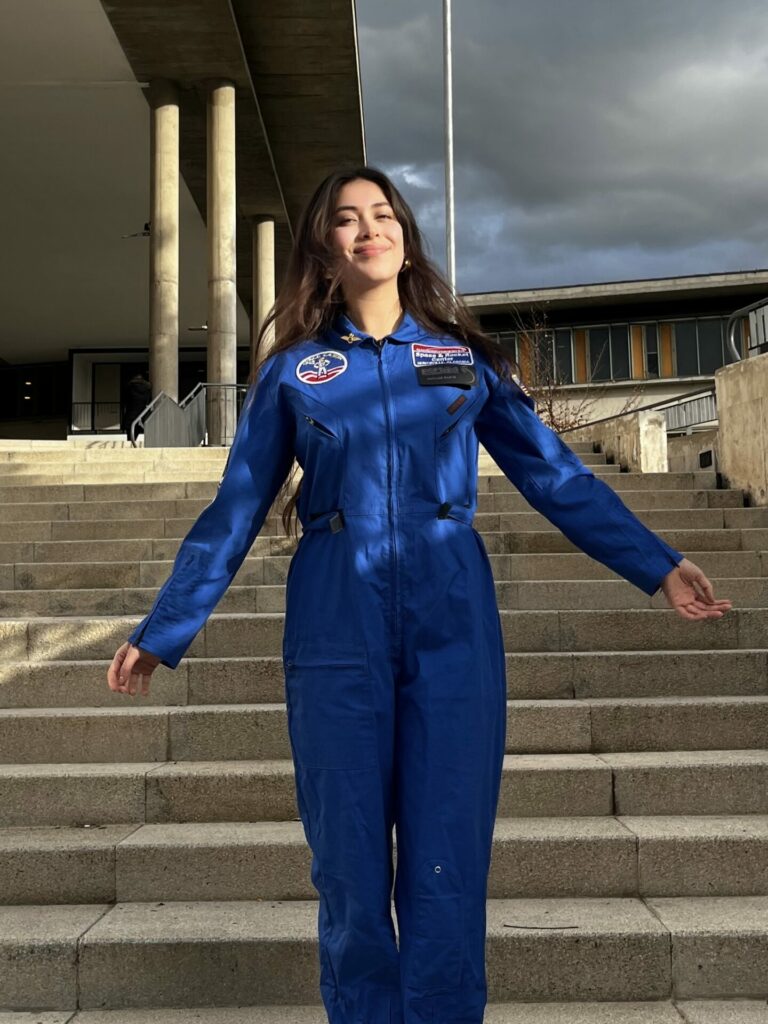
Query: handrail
{"type": "Point", "coordinates": [187, 405]}
{"type": "Point", "coordinates": [731, 325]}
{"type": "Point", "coordinates": [661, 404]}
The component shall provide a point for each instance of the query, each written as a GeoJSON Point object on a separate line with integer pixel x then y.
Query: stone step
{"type": "Point", "coordinates": [486, 483]}
{"type": "Point", "coordinates": [749, 592]}
{"type": "Point", "coordinates": [271, 570]}
{"type": "Point", "coordinates": [104, 457]}
{"type": "Point", "coordinates": [702, 1011]}
{"type": "Point", "coordinates": [247, 634]}
{"type": "Point", "coordinates": [183, 953]}
{"type": "Point", "coordinates": [702, 479]}
{"type": "Point", "coordinates": [605, 856]}
{"type": "Point", "coordinates": [538, 541]}
{"type": "Point", "coordinates": [160, 508]}
{"type": "Point", "coordinates": [136, 464]}
{"type": "Point", "coordinates": [680, 782]}
{"type": "Point", "coordinates": [252, 732]}
{"type": "Point", "coordinates": [530, 676]}
{"type": "Point", "coordinates": [74, 453]}
{"type": "Point", "coordinates": [516, 522]}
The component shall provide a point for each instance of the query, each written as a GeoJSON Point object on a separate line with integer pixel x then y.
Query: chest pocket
{"type": "Point", "coordinates": [319, 448]}
{"type": "Point", "coordinates": [456, 449]}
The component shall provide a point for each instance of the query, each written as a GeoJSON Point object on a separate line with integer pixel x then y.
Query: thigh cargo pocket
{"type": "Point", "coordinates": [330, 705]}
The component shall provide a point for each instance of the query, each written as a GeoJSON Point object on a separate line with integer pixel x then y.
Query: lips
{"type": "Point", "coordinates": [368, 251]}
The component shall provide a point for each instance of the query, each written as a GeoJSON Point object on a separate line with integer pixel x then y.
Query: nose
{"type": "Point", "coordinates": [367, 228]}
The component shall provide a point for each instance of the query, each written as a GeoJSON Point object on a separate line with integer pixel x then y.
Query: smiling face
{"type": "Point", "coordinates": [366, 238]}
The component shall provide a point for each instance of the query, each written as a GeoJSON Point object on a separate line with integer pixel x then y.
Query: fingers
{"type": "Point", "coordinates": [697, 611]}
{"type": "Point", "coordinates": [704, 586]}
{"type": "Point", "coordinates": [125, 675]}
{"type": "Point", "coordinates": [116, 668]}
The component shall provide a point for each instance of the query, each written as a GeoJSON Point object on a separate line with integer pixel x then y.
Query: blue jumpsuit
{"type": "Point", "coordinates": [393, 652]}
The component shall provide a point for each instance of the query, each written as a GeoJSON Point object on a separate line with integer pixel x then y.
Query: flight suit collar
{"type": "Point", "coordinates": [345, 331]}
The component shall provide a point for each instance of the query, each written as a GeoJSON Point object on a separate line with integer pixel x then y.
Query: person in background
{"type": "Point", "coordinates": [138, 395]}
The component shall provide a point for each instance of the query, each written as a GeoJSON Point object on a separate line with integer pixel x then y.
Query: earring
{"type": "Point", "coordinates": [406, 264]}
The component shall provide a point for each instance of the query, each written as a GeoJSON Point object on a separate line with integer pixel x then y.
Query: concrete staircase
{"type": "Point", "coordinates": [153, 866]}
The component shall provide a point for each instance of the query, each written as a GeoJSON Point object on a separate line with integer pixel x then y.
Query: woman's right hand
{"type": "Point", "coordinates": [131, 669]}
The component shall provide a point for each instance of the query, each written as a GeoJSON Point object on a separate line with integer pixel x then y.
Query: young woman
{"type": "Point", "coordinates": [380, 385]}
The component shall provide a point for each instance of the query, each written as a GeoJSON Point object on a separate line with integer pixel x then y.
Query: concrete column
{"type": "Point", "coordinates": [164, 239]}
{"type": "Point", "coordinates": [263, 234]}
{"type": "Point", "coordinates": [222, 261]}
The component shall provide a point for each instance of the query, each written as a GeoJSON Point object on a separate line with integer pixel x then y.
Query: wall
{"type": "Point", "coordinates": [742, 403]}
{"type": "Point", "coordinates": [683, 450]}
{"type": "Point", "coordinates": [636, 441]}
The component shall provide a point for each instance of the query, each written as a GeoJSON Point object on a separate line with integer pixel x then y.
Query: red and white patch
{"type": "Point", "coordinates": [441, 355]}
{"type": "Point", "coordinates": [321, 367]}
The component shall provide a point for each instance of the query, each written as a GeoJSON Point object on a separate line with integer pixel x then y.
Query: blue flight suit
{"type": "Point", "coordinates": [393, 650]}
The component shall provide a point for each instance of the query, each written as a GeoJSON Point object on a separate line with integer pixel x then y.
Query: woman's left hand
{"type": "Point", "coordinates": [690, 593]}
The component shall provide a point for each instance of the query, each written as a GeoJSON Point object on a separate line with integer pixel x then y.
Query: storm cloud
{"type": "Point", "coordinates": [597, 141]}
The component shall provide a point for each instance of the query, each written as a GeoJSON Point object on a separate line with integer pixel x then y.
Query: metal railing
{"type": "Point", "coordinates": [684, 411]}
{"type": "Point", "coordinates": [758, 328]}
{"type": "Point", "coordinates": [206, 416]}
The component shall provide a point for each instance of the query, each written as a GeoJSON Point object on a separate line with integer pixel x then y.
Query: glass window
{"type": "Point", "coordinates": [563, 356]}
{"type": "Point", "coordinates": [508, 342]}
{"type": "Point", "coordinates": [710, 345]}
{"type": "Point", "coordinates": [620, 352]}
{"type": "Point", "coordinates": [651, 336]}
{"type": "Point", "coordinates": [599, 353]}
{"type": "Point", "coordinates": [686, 355]}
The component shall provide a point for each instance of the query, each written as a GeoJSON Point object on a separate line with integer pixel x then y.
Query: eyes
{"type": "Point", "coordinates": [346, 220]}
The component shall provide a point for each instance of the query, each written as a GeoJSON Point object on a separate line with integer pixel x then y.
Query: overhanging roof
{"type": "Point", "coordinates": [617, 293]}
{"type": "Point", "coordinates": [298, 96]}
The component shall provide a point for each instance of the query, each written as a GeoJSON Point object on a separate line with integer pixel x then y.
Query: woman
{"type": "Point", "coordinates": [380, 385]}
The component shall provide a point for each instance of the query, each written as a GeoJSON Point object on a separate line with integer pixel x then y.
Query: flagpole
{"type": "Point", "coordinates": [450, 262]}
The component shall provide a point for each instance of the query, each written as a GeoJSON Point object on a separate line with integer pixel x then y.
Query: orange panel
{"type": "Point", "coordinates": [665, 350]}
{"type": "Point", "coordinates": [580, 356]}
{"type": "Point", "coordinates": [638, 363]}
{"type": "Point", "coordinates": [524, 354]}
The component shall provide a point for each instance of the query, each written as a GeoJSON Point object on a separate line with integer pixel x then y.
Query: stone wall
{"type": "Point", "coordinates": [742, 404]}
{"type": "Point", "coordinates": [636, 441]}
{"type": "Point", "coordinates": [683, 450]}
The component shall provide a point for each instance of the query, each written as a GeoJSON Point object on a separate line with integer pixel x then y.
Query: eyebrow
{"type": "Point", "coordinates": [340, 208]}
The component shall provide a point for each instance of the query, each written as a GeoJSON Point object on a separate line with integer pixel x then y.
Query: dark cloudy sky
{"type": "Point", "coordinates": [597, 140]}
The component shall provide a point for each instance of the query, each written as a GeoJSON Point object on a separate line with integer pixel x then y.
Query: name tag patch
{"type": "Point", "coordinates": [444, 365]}
{"type": "Point", "coordinates": [441, 355]}
{"type": "Point", "coordinates": [321, 367]}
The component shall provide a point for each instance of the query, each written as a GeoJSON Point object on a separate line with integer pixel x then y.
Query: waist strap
{"type": "Point", "coordinates": [334, 519]}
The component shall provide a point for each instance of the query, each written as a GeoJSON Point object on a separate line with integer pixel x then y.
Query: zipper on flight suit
{"type": "Point", "coordinates": [380, 342]}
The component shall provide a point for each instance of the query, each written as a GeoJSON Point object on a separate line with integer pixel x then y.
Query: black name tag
{"type": "Point", "coordinates": [449, 374]}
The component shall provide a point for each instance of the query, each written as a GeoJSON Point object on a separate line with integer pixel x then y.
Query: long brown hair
{"type": "Point", "coordinates": [308, 301]}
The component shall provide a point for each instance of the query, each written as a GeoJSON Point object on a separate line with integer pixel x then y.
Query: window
{"type": "Point", "coordinates": [620, 352]}
{"type": "Point", "coordinates": [686, 349]}
{"type": "Point", "coordinates": [700, 346]}
{"type": "Point", "coordinates": [710, 345]}
{"type": "Point", "coordinates": [651, 350]}
{"type": "Point", "coordinates": [609, 352]}
{"type": "Point", "coordinates": [599, 353]}
{"type": "Point", "coordinates": [508, 342]}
